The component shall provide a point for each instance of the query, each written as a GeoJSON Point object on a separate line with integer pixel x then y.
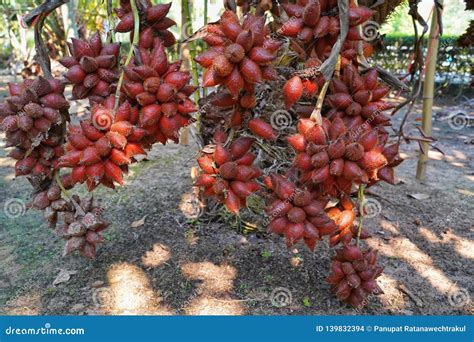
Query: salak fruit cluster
{"type": "Point", "coordinates": [31, 121]}
{"type": "Point", "coordinates": [92, 68]}
{"type": "Point", "coordinates": [228, 174]}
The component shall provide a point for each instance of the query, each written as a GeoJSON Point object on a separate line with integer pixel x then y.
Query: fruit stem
{"type": "Point", "coordinates": [360, 47]}
{"type": "Point", "coordinates": [192, 54]}
{"type": "Point", "coordinates": [66, 194]}
{"type": "Point", "coordinates": [361, 199]}
{"type": "Point", "coordinates": [230, 137]}
{"type": "Point", "coordinates": [316, 114]}
{"type": "Point", "coordinates": [204, 90]}
{"type": "Point", "coordinates": [110, 22]}
{"type": "Point", "coordinates": [266, 149]}
{"type": "Point", "coordinates": [136, 34]}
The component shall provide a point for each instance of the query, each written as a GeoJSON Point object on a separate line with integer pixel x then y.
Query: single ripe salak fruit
{"type": "Point", "coordinates": [354, 274]}
{"type": "Point", "coordinates": [344, 215]}
{"type": "Point", "coordinates": [297, 87]}
{"type": "Point", "coordinates": [228, 174]}
{"type": "Point", "coordinates": [261, 129]}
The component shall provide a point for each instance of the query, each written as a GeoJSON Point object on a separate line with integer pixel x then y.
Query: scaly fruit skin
{"type": "Point", "coordinates": [153, 23]}
{"type": "Point", "coordinates": [92, 68]}
{"type": "Point", "coordinates": [31, 119]}
{"type": "Point", "coordinates": [297, 213]}
{"type": "Point", "coordinates": [78, 221]}
{"type": "Point", "coordinates": [354, 274]}
{"type": "Point", "coordinates": [160, 92]}
{"type": "Point", "coordinates": [227, 174]}
{"type": "Point", "coordinates": [316, 34]}
{"type": "Point", "coordinates": [339, 154]}
{"type": "Point", "coordinates": [316, 31]}
{"type": "Point", "coordinates": [101, 147]}
{"type": "Point", "coordinates": [240, 54]}
{"type": "Point", "coordinates": [344, 215]}
{"type": "Point", "coordinates": [356, 97]}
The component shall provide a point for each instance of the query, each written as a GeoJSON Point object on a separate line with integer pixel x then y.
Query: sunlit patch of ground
{"type": "Point", "coordinates": [157, 256]}
{"type": "Point", "coordinates": [130, 293]}
{"type": "Point", "coordinates": [213, 292]}
{"type": "Point", "coordinates": [404, 249]}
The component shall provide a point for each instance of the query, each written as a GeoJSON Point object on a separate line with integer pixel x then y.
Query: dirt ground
{"type": "Point", "coordinates": [174, 264]}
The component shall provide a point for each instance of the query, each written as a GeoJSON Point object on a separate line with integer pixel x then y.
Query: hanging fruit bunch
{"type": "Point", "coordinates": [32, 122]}
{"type": "Point", "coordinates": [297, 213]}
{"type": "Point", "coordinates": [336, 156]}
{"type": "Point", "coordinates": [353, 275]}
{"type": "Point", "coordinates": [159, 91]}
{"type": "Point", "coordinates": [315, 32]}
{"type": "Point", "coordinates": [228, 174]}
{"type": "Point", "coordinates": [153, 21]}
{"type": "Point", "coordinates": [100, 149]}
{"type": "Point", "coordinates": [239, 57]}
{"type": "Point", "coordinates": [92, 68]}
{"type": "Point", "coordinates": [133, 106]}
{"type": "Point", "coordinates": [331, 156]}
{"type": "Point", "coordinates": [33, 118]}
{"type": "Point", "coordinates": [359, 98]}
{"type": "Point", "coordinates": [81, 225]}
{"type": "Point", "coordinates": [341, 144]}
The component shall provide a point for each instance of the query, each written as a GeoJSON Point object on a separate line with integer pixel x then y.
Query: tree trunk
{"type": "Point", "coordinates": [428, 93]}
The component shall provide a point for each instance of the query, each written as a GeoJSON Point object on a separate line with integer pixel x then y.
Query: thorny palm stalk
{"type": "Point", "coordinates": [136, 34]}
